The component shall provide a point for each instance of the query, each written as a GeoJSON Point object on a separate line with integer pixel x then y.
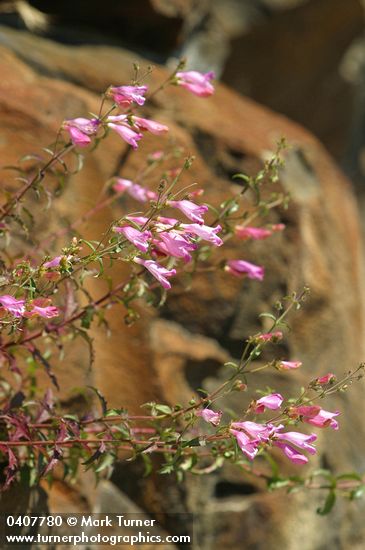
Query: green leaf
{"type": "Point", "coordinates": [105, 461]}
{"type": "Point", "coordinates": [164, 409]}
{"type": "Point", "coordinates": [328, 504]}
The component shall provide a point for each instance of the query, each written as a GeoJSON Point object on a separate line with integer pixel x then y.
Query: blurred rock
{"type": "Point", "coordinates": [166, 353]}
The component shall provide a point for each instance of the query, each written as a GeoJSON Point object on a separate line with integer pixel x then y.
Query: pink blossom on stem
{"type": "Point", "coordinates": [140, 239]}
{"type": "Point", "coordinates": [80, 130]}
{"type": "Point", "coordinates": [240, 268]}
{"type": "Point", "coordinates": [152, 126]}
{"type": "Point", "coordinates": [255, 233]}
{"type": "Point", "coordinates": [260, 432]}
{"type": "Point", "coordinates": [323, 419]}
{"type": "Point", "coordinates": [205, 232]}
{"type": "Point", "coordinates": [42, 307]}
{"type": "Point", "coordinates": [295, 456]}
{"type": "Point", "coordinates": [210, 416]}
{"type": "Point", "coordinates": [272, 401]}
{"type": "Point", "coordinates": [303, 441]}
{"type": "Point", "coordinates": [304, 410]}
{"type": "Point", "coordinates": [191, 210]}
{"type": "Point", "coordinates": [248, 446]}
{"type": "Point", "coordinates": [126, 133]}
{"type": "Point", "coordinates": [270, 336]}
{"type": "Point", "coordinates": [168, 222]}
{"type": "Point", "coordinates": [135, 190]}
{"type": "Point", "coordinates": [197, 83]}
{"type": "Point", "coordinates": [288, 365]}
{"type": "Point", "coordinates": [158, 271]}
{"type": "Point", "coordinates": [126, 95]}
{"type": "Point", "coordinates": [174, 244]}
{"type": "Point", "coordinates": [326, 379]}
{"type": "Point", "coordinates": [12, 305]}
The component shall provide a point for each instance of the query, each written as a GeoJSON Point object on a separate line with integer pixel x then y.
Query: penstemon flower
{"type": "Point", "coordinates": [272, 401]}
{"type": "Point", "coordinates": [191, 210]}
{"type": "Point", "coordinates": [158, 271]}
{"type": "Point", "coordinates": [140, 239]}
{"type": "Point", "coordinates": [205, 232]}
{"type": "Point", "coordinates": [174, 244]}
{"type": "Point", "coordinates": [12, 305]}
{"type": "Point", "coordinates": [126, 95]}
{"type": "Point", "coordinates": [210, 416]}
{"type": "Point", "coordinates": [240, 268]}
{"type": "Point", "coordinates": [80, 130]}
{"type": "Point", "coordinates": [288, 365]}
{"type": "Point", "coordinates": [255, 233]}
{"type": "Point", "coordinates": [135, 190]}
{"type": "Point", "coordinates": [197, 83]}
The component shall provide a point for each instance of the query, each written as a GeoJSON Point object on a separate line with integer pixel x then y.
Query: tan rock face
{"type": "Point", "coordinates": [169, 353]}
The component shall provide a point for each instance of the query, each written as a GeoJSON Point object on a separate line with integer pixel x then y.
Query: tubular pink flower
{"type": "Point", "coordinates": [126, 95]}
{"type": "Point", "coordinates": [138, 238]}
{"type": "Point", "coordinates": [12, 305]}
{"type": "Point", "coordinates": [140, 220]}
{"type": "Point", "coordinates": [305, 410]}
{"type": "Point", "coordinates": [135, 190]}
{"type": "Point", "coordinates": [260, 432]}
{"type": "Point", "coordinates": [126, 133]}
{"type": "Point", "coordinates": [247, 446]}
{"type": "Point", "coordinates": [298, 439]}
{"type": "Point", "coordinates": [41, 307]}
{"type": "Point", "coordinates": [158, 271]}
{"type": "Point", "coordinates": [204, 232]}
{"type": "Point", "coordinates": [197, 83]}
{"type": "Point", "coordinates": [278, 227]}
{"type": "Point", "coordinates": [323, 419]}
{"type": "Point", "coordinates": [174, 244]}
{"type": "Point", "coordinates": [328, 378]}
{"type": "Point", "coordinates": [240, 268]}
{"type": "Point", "coordinates": [210, 416]}
{"type": "Point", "coordinates": [152, 126]}
{"type": "Point", "coordinates": [287, 365]}
{"type": "Point", "coordinates": [168, 222]}
{"type": "Point", "coordinates": [53, 263]}
{"type": "Point", "coordinates": [80, 130]}
{"type": "Point", "coordinates": [191, 210]}
{"type": "Point", "coordinates": [272, 401]}
{"type": "Point", "coordinates": [270, 336]}
{"type": "Point", "coordinates": [255, 233]}
{"type": "Point", "coordinates": [295, 456]}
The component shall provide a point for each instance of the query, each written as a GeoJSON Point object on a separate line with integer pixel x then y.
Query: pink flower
{"type": "Point", "coordinates": [260, 432]}
{"type": "Point", "coordinates": [298, 439]}
{"type": "Point", "coordinates": [248, 446]}
{"type": "Point", "coordinates": [323, 419]}
{"type": "Point", "coordinates": [158, 271]}
{"type": "Point", "coordinates": [256, 233]}
{"type": "Point", "coordinates": [327, 379]}
{"type": "Point", "coordinates": [191, 210]}
{"type": "Point", "coordinates": [12, 305]}
{"type": "Point", "coordinates": [168, 222]}
{"type": "Point", "coordinates": [140, 220]}
{"type": "Point", "coordinates": [295, 456]}
{"type": "Point", "coordinates": [125, 95]}
{"type": "Point", "coordinates": [53, 263]}
{"type": "Point", "coordinates": [42, 307]}
{"type": "Point", "coordinates": [204, 232]}
{"type": "Point", "coordinates": [210, 416]}
{"type": "Point", "coordinates": [272, 401]}
{"type": "Point", "coordinates": [80, 130]}
{"type": "Point", "coordinates": [287, 365]}
{"type": "Point", "coordinates": [304, 410]}
{"type": "Point", "coordinates": [119, 124]}
{"type": "Point", "coordinates": [138, 238]}
{"type": "Point", "coordinates": [174, 244]}
{"type": "Point", "coordinates": [270, 336]}
{"type": "Point", "coordinates": [149, 125]}
{"type": "Point", "coordinates": [135, 190]}
{"type": "Point", "coordinates": [239, 268]}
{"type": "Point", "coordinates": [197, 83]}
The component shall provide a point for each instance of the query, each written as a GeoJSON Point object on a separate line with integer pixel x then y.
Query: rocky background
{"type": "Point", "coordinates": [304, 60]}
